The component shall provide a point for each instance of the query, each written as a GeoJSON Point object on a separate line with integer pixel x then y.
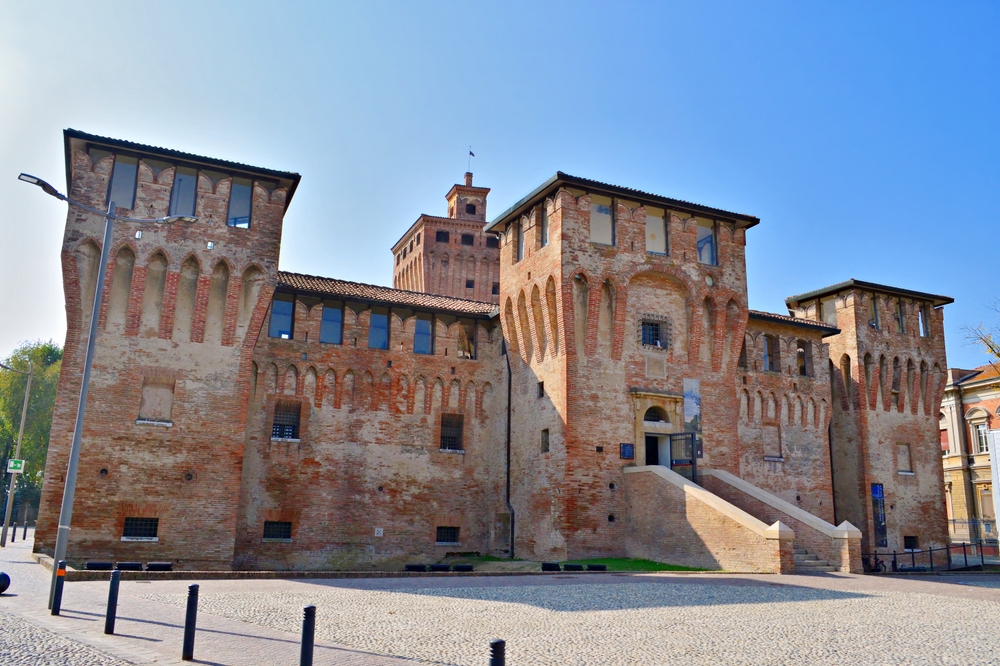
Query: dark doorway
{"type": "Point", "coordinates": [652, 450]}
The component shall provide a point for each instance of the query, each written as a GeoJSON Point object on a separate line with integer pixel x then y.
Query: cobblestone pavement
{"type": "Point", "coordinates": [558, 619]}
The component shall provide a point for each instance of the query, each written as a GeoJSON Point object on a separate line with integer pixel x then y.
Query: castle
{"type": "Point", "coordinates": [579, 377]}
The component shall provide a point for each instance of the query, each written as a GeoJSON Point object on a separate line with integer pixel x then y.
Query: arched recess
{"type": "Point", "coordinates": [606, 319]}
{"type": "Point", "coordinates": [215, 317]}
{"type": "Point", "coordinates": [925, 397]}
{"type": "Point", "coordinates": [771, 407]}
{"type": "Point", "coordinates": [88, 264]}
{"type": "Point", "coordinates": [729, 333]}
{"type": "Point", "coordinates": [470, 400]}
{"type": "Point", "coordinates": [536, 313]}
{"type": "Point", "coordinates": [868, 394]}
{"type": "Point", "coordinates": [152, 296]}
{"type": "Point", "coordinates": [271, 381]}
{"type": "Point", "coordinates": [800, 414]}
{"type": "Point", "coordinates": [420, 396]}
{"type": "Point", "coordinates": [187, 292]}
{"type": "Point", "coordinates": [403, 395]}
{"type": "Point", "coordinates": [524, 326]}
{"type": "Point", "coordinates": [911, 386]}
{"type": "Point", "coordinates": [121, 286]}
{"type": "Point", "coordinates": [436, 396]}
{"type": "Point", "coordinates": [707, 332]}
{"type": "Point", "coordinates": [454, 395]}
{"type": "Point", "coordinates": [811, 420]}
{"type": "Point", "coordinates": [845, 373]}
{"type": "Point", "coordinates": [758, 407]}
{"type": "Point", "coordinates": [511, 328]}
{"type": "Point", "coordinates": [347, 400]}
{"type": "Point", "coordinates": [329, 396]}
{"type": "Point", "coordinates": [883, 382]}
{"type": "Point", "coordinates": [552, 308]}
{"type": "Point", "coordinates": [744, 405]}
{"type": "Point", "coordinates": [897, 381]}
{"type": "Point", "coordinates": [364, 396]}
{"type": "Point", "coordinates": [383, 393]}
{"type": "Point", "coordinates": [253, 280]}
{"type": "Point", "coordinates": [309, 388]}
{"type": "Point", "coordinates": [581, 304]}
{"type": "Point", "coordinates": [787, 417]}
{"type": "Point", "coordinates": [291, 381]}
{"type": "Point", "coordinates": [253, 381]}
{"type": "Point", "coordinates": [486, 402]}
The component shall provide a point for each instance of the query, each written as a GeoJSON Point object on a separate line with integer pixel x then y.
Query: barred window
{"type": "Point", "coordinates": [651, 333]}
{"type": "Point", "coordinates": [451, 432]}
{"type": "Point", "coordinates": [447, 535]}
{"type": "Point", "coordinates": [141, 528]}
{"type": "Point", "coordinates": [545, 441]}
{"type": "Point", "coordinates": [286, 420]}
{"type": "Point", "coordinates": [277, 529]}
{"type": "Point", "coordinates": [654, 331]}
{"type": "Point", "coordinates": [493, 242]}
{"type": "Point", "coordinates": [441, 237]}
{"type": "Point", "coordinates": [469, 239]}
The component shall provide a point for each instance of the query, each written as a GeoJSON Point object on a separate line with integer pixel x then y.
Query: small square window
{"type": "Point", "coordinates": [541, 389]}
{"type": "Point", "coordinates": [493, 242]}
{"type": "Point", "coordinates": [911, 543]}
{"type": "Point", "coordinates": [469, 284]}
{"type": "Point", "coordinates": [447, 535]}
{"type": "Point", "coordinates": [470, 209]}
{"type": "Point", "coordinates": [468, 239]}
{"type": "Point", "coordinates": [441, 237]}
{"type": "Point", "coordinates": [286, 420]}
{"type": "Point", "coordinates": [545, 441]}
{"type": "Point", "coordinates": [496, 289]}
{"type": "Point", "coordinates": [141, 528]}
{"type": "Point", "coordinates": [451, 432]}
{"type": "Point", "coordinates": [278, 529]}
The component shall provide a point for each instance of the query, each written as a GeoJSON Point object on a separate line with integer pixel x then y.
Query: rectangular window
{"type": "Point", "coordinates": [873, 320]}
{"type": "Point", "coordinates": [468, 239]}
{"type": "Point", "coordinates": [651, 334]}
{"type": "Point", "coordinates": [397, 260]}
{"type": "Point", "coordinates": [924, 321]}
{"type": "Point", "coordinates": [904, 463]}
{"type": "Point", "coordinates": [182, 196]}
{"type": "Point", "coordinates": [378, 329]}
{"type": "Point", "coordinates": [803, 358]}
{"type": "Point", "coordinates": [141, 528]}
{"type": "Point", "coordinates": [900, 316]}
{"type": "Point", "coordinates": [982, 439]}
{"type": "Point", "coordinates": [286, 420]}
{"type": "Point", "coordinates": [771, 361]}
{"type": "Point", "coordinates": [447, 536]}
{"type": "Point", "coordinates": [278, 530]}
{"type": "Point", "coordinates": [331, 328]}
{"type": "Point", "coordinates": [496, 289]}
{"type": "Point", "coordinates": [828, 311]}
{"type": "Point", "coordinates": [466, 338]}
{"type": "Point", "coordinates": [602, 223]}
{"type": "Point", "coordinates": [423, 334]}
{"type": "Point", "coordinates": [492, 242]}
{"type": "Point", "coordinates": [541, 389]}
{"type": "Point", "coordinates": [470, 284]}
{"type": "Point", "coordinates": [157, 401]}
{"type": "Point", "coordinates": [441, 237]}
{"type": "Point", "coordinates": [122, 190]}
{"type": "Point", "coordinates": [545, 226]}
{"type": "Point", "coordinates": [656, 231]}
{"type": "Point", "coordinates": [470, 209]}
{"type": "Point", "coordinates": [451, 432]}
{"type": "Point", "coordinates": [707, 250]}
{"type": "Point", "coordinates": [282, 316]}
{"type": "Point", "coordinates": [545, 441]}
{"type": "Point", "coordinates": [520, 242]}
{"type": "Point", "coordinates": [911, 543]}
{"type": "Point", "coordinates": [239, 203]}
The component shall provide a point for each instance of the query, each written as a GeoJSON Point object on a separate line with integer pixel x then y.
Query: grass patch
{"type": "Point", "coordinates": [629, 564]}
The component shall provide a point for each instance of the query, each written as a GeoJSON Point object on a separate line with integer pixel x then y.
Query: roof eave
{"type": "Point", "coordinates": [935, 299]}
{"type": "Point", "coordinates": [824, 329]}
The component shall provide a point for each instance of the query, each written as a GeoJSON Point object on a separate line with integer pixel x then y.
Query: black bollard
{"type": "Point", "coordinates": [13, 533]}
{"type": "Point", "coordinates": [60, 581]}
{"type": "Point", "coordinates": [25, 531]}
{"type": "Point", "coordinates": [308, 635]}
{"type": "Point", "coordinates": [187, 652]}
{"type": "Point", "coordinates": [109, 618]}
{"type": "Point", "coordinates": [498, 649]}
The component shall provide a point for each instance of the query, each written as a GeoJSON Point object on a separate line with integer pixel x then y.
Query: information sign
{"type": "Point", "coordinates": [15, 466]}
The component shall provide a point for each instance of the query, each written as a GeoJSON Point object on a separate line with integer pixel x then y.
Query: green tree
{"type": "Point", "coordinates": [46, 359]}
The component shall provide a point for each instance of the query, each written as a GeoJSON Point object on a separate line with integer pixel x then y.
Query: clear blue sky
{"type": "Point", "coordinates": [864, 135]}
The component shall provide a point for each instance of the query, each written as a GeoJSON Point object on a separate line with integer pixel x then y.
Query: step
{"type": "Point", "coordinates": [811, 570]}
{"type": "Point", "coordinates": [800, 551]}
{"type": "Point", "coordinates": [806, 558]}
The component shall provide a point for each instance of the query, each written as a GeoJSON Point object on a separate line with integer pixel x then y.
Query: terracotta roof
{"type": "Point", "coordinates": [385, 295]}
{"type": "Point", "coordinates": [826, 329]}
{"type": "Point", "coordinates": [982, 373]}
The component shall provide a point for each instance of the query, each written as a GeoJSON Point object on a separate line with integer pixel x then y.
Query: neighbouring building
{"type": "Point", "coordinates": [581, 376]}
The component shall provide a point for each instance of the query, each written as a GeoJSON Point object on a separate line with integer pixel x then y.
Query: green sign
{"type": "Point", "coordinates": [15, 466]}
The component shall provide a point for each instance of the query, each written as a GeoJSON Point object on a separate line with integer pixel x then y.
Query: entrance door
{"type": "Point", "coordinates": [682, 455]}
{"type": "Point", "coordinates": [652, 450]}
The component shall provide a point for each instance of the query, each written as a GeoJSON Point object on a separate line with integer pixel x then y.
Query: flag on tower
{"type": "Point", "coordinates": [471, 154]}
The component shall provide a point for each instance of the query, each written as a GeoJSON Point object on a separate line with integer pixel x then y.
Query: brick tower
{"type": "Point", "coordinates": [162, 450]}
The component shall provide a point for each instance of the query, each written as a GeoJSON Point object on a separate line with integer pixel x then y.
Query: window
{"type": "Point", "coordinates": [651, 334]}
{"type": "Point", "coordinates": [411, 246]}
{"type": "Point", "coordinates": [182, 196]}
{"type": "Point", "coordinates": [900, 316]}
{"type": "Point", "coordinates": [743, 355]}
{"type": "Point", "coordinates": [706, 243]}
{"type": "Point", "coordinates": [982, 439]}
{"type": "Point", "coordinates": [492, 242]}
{"type": "Point", "coordinates": [141, 528]}
{"type": "Point", "coordinates": [466, 338]}
{"type": "Point", "coordinates": [122, 190]}
{"type": "Point", "coordinates": [157, 401]}
{"type": "Point", "coordinates": [423, 335]}
{"type": "Point", "coordinates": [911, 543]}
{"type": "Point", "coordinates": [378, 329]}
{"type": "Point", "coordinates": [239, 203]}
{"type": "Point", "coordinates": [602, 223]}
{"type": "Point", "coordinates": [278, 530]}
{"type": "Point", "coordinates": [447, 536]}
{"type": "Point", "coordinates": [418, 239]}
{"type": "Point", "coordinates": [441, 237]}
{"type": "Point", "coordinates": [541, 389]}
{"type": "Point", "coordinates": [468, 239]}
{"type": "Point", "coordinates": [656, 231]}
{"type": "Point", "coordinates": [904, 462]}
{"type": "Point", "coordinates": [803, 358]}
{"type": "Point", "coordinates": [545, 441]}
{"type": "Point", "coordinates": [404, 253]}
{"type": "Point", "coordinates": [451, 432]}
{"type": "Point", "coordinates": [282, 316]}
{"type": "Point", "coordinates": [470, 284]}
{"type": "Point", "coordinates": [771, 351]}
{"type": "Point", "coordinates": [924, 321]}
{"type": "Point", "coordinates": [397, 260]}
{"type": "Point", "coordinates": [470, 209]}
{"type": "Point", "coordinates": [873, 320]}
{"type": "Point", "coordinates": [496, 288]}
{"type": "Point", "coordinates": [286, 420]}
{"type": "Point", "coordinates": [544, 226]}
{"type": "Point", "coordinates": [520, 241]}
{"type": "Point", "coordinates": [331, 328]}
{"type": "Point", "coordinates": [828, 311]}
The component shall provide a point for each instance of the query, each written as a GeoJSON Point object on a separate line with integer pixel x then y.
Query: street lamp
{"type": "Point", "coordinates": [66, 510]}
{"type": "Point", "coordinates": [17, 452]}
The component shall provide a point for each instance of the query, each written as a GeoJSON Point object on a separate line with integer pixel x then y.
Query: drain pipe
{"type": "Point", "coordinates": [509, 507]}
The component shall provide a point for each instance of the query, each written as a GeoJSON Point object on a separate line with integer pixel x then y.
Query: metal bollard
{"type": "Point", "coordinates": [25, 537]}
{"type": "Point", "coordinates": [187, 652]}
{"type": "Point", "coordinates": [109, 618]}
{"type": "Point", "coordinates": [498, 649]}
{"type": "Point", "coordinates": [308, 635]}
{"type": "Point", "coordinates": [60, 581]}
{"type": "Point", "coordinates": [13, 532]}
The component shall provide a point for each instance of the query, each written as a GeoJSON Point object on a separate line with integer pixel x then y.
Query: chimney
{"type": "Point", "coordinates": [468, 179]}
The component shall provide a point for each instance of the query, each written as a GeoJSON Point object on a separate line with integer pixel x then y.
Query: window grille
{"type": "Point", "coordinates": [441, 237]}
{"type": "Point", "coordinates": [493, 242]}
{"type": "Point", "coordinates": [910, 543]}
{"type": "Point", "coordinates": [277, 529]}
{"type": "Point", "coordinates": [286, 421]}
{"type": "Point", "coordinates": [651, 333]}
{"type": "Point", "coordinates": [141, 528]}
{"type": "Point", "coordinates": [468, 239]}
{"type": "Point", "coordinates": [451, 432]}
{"type": "Point", "coordinates": [447, 535]}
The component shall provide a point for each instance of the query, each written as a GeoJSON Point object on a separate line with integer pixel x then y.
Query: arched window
{"type": "Point", "coordinates": [656, 415]}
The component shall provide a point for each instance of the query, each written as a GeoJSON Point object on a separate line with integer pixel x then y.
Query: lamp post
{"type": "Point", "coordinates": [66, 510]}
{"type": "Point", "coordinates": [17, 452]}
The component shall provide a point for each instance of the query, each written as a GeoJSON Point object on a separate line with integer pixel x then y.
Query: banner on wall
{"type": "Point", "coordinates": [692, 412]}
{"type": "Point", "coordinates": [878, 513]}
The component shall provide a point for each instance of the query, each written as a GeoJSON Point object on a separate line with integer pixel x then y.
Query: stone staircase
{"type": "Point", "coordinates": [809, 564]}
